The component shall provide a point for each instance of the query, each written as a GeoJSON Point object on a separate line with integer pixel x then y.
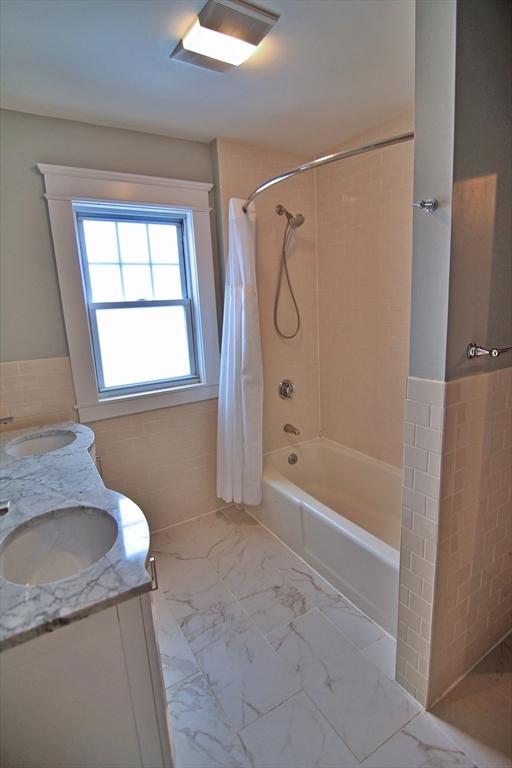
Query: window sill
{"type": "Point", "coordinates": [109, 408]}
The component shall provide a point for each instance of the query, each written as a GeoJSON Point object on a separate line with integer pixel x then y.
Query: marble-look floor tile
{"type": "Point", "coordinates": [178, 661]}
{"type": "Point", "coordinates": [247, 565]}
{"type": "Point", "coordinates": [246, 675]}
{"type": "Point", "coordinates": [295, 735]}
{"type": "Point", "coordinates": [189, 586]}
{"type": "Point", "coordinates": [383, 654]}
{"type": "Point", "coordinates": [235, 516]}
{"type": "Point", "coordinates": [203, 538]}
{"type": "Point", "coordinates": [205, 627]}
{"type": "Point", "coordinates": [353, 623]}
{"type": "Point", "coordinates": [313, 586]}
{"type": "Point", "coordinates": [274, 603]}
{"type": "Point", "coordinates": [360, 702]}
{"type": "Point", "coordinates": [419, 744]}
{"type": "Point", "coordinates": [201, 734]}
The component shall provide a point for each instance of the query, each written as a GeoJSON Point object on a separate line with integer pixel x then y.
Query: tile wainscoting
{"type": "Point", "coordinates": [423, 434]}
{"type": "Point", "coordinates": [164, 460]}
{"type": "Point", "coordinates": [473, 582]}
{"type": "Point", "coordinates": [455, 599]}
{"type": "Point", "coordinates": [37, 392]}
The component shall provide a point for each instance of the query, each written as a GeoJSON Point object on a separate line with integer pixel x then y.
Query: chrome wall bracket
{"type": "Point", "coordinates": [473, 350]}
{"type": "Point", "coordinates": [427, 205]}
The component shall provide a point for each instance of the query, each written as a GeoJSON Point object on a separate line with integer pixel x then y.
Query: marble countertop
{"type": "Point", "coordinates": [34, 485]}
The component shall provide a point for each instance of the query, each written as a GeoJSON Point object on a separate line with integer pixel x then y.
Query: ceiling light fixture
{"type": "Point", "coordinates": [216, 45]}
{"type": "Point", "coordinates": [224, 34]}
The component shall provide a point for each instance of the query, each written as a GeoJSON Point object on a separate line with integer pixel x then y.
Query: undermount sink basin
{"type": "Point", "coordinates": [57, 545]}
{"type": "Point", "coordinates": [37, 443]}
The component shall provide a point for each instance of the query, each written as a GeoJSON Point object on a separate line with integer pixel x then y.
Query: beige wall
{"type": "Point", "coordinates": [480, 260]}
{"type": "Point", "coordinates": [433, 178]}
{"type": "Point", "coordinates": [364, 268]}
{"type": "Point", "coordinates": [240, 169]}
{"type": "Point", "coordinates": [31, 323]}
{"type": "Point", "coordinates": [164, 460]}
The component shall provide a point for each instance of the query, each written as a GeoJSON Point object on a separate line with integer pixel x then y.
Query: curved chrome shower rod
{"type": "Point", "coordinates": [325, 161]}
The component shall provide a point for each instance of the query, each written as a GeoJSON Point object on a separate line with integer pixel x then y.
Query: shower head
{"type": "Point", "coordinates": [294, 221]}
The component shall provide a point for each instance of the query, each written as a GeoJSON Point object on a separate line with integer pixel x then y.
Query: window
{"type": "Point", "coordinates": [143, 333]}
{"type": "Point", "coordinates": [138, 297]}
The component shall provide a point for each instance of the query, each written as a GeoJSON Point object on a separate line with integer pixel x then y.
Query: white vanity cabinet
{"type": "Point", "coordinates": [87, 695]}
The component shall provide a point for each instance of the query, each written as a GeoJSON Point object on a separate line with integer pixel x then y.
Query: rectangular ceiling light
{"type": "Point", "coordinates": [216, 45]}
{"type": "Point", "coordinates": [224, 34]}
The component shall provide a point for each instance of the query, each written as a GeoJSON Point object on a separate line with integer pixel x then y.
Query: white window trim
{"type": "Point", "coordinates": [65, 186]}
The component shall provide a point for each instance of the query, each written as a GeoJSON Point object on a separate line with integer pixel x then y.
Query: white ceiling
{"type": "Point", "coordinates": [328, 70]}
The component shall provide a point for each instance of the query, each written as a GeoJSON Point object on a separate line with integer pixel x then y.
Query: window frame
{"type": "Point", "coordinates": [76, 193]}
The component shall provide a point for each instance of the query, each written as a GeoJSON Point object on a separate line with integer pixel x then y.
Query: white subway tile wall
{"type": "Point", "coordinates": [420, 517]}
{"type": "Point", "coordinates": [364, 258]}
{"type": "Point", "coordinates": [36, 392]}
{"type": "Point", "coordinates": [241, 169]}
{"type": "Point", "coordinates": [473, 584]}
{"type": "Point", "coordinates": [164, 460]}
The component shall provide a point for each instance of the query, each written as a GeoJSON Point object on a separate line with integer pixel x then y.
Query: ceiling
{"type": "Point", "coordinates": [328, 69]}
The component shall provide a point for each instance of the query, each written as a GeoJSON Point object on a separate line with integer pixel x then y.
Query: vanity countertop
{"type": "Point", "coordinates": [35, 484]}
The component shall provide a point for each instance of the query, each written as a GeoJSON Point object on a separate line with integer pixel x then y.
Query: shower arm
{"type": "Point", "coordinates": [312, 164]}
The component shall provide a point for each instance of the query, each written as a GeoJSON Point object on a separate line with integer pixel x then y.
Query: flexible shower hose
{"type": "Point", "coordinates": [283, 270]}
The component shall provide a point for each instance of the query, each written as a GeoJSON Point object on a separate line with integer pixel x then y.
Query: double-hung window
{"type": "Point", "coordinates": [139, 300]}
{"type": "Point", "coordinates": [137, 289]}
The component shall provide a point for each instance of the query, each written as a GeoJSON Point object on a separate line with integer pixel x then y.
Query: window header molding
{"type": "Point", "coordinates": [64, 182]}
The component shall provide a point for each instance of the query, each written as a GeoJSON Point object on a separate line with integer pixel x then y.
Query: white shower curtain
{"type": "Point", "coordinates": [239, 434]}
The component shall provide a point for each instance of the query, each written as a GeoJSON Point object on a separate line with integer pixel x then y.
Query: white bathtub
{"type": "Point", "coordinates": [340, 511]}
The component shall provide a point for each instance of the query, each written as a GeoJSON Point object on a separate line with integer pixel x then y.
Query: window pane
{"type": "Point", "coordinates": [100, 240]}
{"type": "Point", "coordinates": [167, 282]}
{"type": "Point", "coordinates": [133, 242]}
{"type": "Point", "coordinates": [143, 344]}
{"type": "Point", "coordinates": [105, 282]}
{"type": "Point", "coordinates": [137, 283]}
{"type": "Point", "coordinates": [163, 239]}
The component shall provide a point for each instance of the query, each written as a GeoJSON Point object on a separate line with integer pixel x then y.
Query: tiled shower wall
{"type": "Point", "coordinates": [456, 554]}
{"type": "Point", "coordinates": [364, 267]}
{"type": "Point", "coordinates": [351, 270]}
{"type": "Point", "coordinates": [241, 169]}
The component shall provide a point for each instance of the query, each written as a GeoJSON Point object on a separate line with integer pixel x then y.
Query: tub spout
{"type": "Point", "coordinates": [291, 429]}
